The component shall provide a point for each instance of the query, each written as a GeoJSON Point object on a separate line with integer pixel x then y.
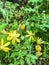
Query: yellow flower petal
{"type": "Point", "coordinates": [30, 33]}
{"type": "Point", "coordinates": [39, 41]}
{"type": "Point", "coordinates": [27, 35]}
{"type": "Point", "coordinates": [30, 38]}
{"type": "Point", "coordinates": [2, 41]}
{"type": "Point", "coordinates": [10, 33]}
{"type": "Point", "coordinates": [33, 39]}
{"type": "Point", "coordinates": [14, 32]}
{"type": "Point", "coordinates": [7, 44]}
{"type": "Point", "coordinates": [17, 35]}
{"type": "Point", "coordinates": [8, 38]}
{"type": "Point", "coordinates": [22, 26]}
{"type": "Point", "coordinates": [6, 49]}
{"type": "Point", "coordinates": [18, 40]}
{"type": "Point", "coordinates": [38, 48]}
{"type": "Point", "coordinates": [38, 53]}
{"type": "Point", "coordinates": [13, 41]}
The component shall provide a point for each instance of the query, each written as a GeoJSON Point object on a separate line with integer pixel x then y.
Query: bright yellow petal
{"type": "Point", "coordinates": [2, 41]}
{"type": "Point", "coordinates": [18, 40]}
{"type": "Point", "coordinates": [29, 32]}
{"type": "Point", "coordinates": [7, 44]}
{"type": "Point", "coordinates": [13, 41]}
{"type": "Point", "coordinates": [6, 49]}
{"type": "Point", "coordinates": [14, 32]}
{"type": "Point", "coordinates": [38, 48]}
{"type": "Point", "coordinates": [17, 35]}
{"type": "Point", "coordinates": [22, 26]}
{"type": "Point", "coordinates": [10, 33]}
{"type": "Point", "coordinates": [8, 38]}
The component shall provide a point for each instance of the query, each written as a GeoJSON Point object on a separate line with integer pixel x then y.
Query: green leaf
{"type": "Point", "coordinates": [34, 18]}
{"type": "Point", "coordinates": [15, 25]}
{"type": "Point", "coordinates": [34, 1]}
{"type": "Point", "coordinates": [3, 11]}
{"type": "Point", "coordinates": [11, 64]}
{"type": "Point", "coordinates": [14, 54]}
{"type": "Point", "coordinates": [21, 62]}
{"type": "Point", "coordinates": [28, 61]}
{"type": "Point", "coordinates": [33, 61]}
{"type": "Point", "coordinates": [33, 58]}
{"type": "Point", "coordinates": [2, 26]}
{"type": "Point", "coordinates": [0, 64]}
{"type": "Point", "coordinates": [45, 55]}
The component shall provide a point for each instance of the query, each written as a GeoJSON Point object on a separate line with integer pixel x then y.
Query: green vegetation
{"type": "Point", "coordinates": [24, 32]}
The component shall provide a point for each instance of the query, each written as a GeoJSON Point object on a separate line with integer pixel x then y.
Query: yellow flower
{"type": "Point", "coordinates": [38, 48]}
{"type": "Point", "coordinates": [38, 53]}
{"type": "Point", "coordinates": [13, 36]}
{"type": "Point", "coordinates": [39, 41]}
{"type": "Point", "coordinates": [30, 35]}
{"type": "Point", "coordinates": [4, 46]}
{"type": "Point", "coordinates": [22, 26]}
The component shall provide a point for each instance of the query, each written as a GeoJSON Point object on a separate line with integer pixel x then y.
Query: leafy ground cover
{"type": "Point", "coordinates": [24, 32]}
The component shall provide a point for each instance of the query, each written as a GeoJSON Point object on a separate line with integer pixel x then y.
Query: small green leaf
{"type": "Point", "coordinates": [11, 64]}
{"type": "Point", "coordinates": [2, 26]}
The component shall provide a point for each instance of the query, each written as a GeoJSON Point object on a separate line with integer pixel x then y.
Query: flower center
{"type": "Point", "coordinates": [14, 36]}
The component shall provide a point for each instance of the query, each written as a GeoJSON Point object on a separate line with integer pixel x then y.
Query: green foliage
{"type": "Point", "coordinates": [2, 26]}
{"type": "Point", "coordinates": [34, 14]}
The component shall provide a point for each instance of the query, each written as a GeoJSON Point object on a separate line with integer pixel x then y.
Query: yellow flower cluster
{"type": "Point", "coordinates": [12, 36]}
{"type": "Point", "coordinates": [38, 47]}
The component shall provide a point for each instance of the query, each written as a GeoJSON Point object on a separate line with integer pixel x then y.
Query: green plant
{"type": "Point", "coordinates": [27, 30]}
